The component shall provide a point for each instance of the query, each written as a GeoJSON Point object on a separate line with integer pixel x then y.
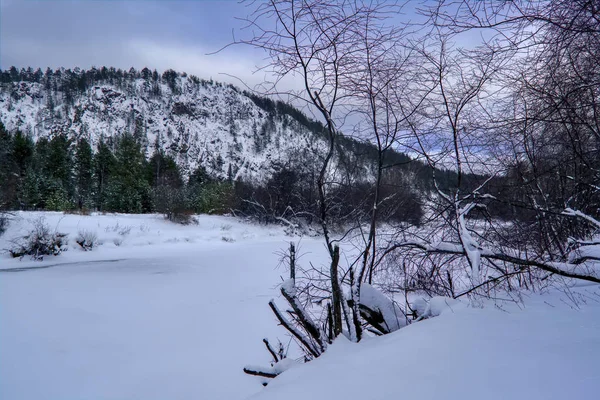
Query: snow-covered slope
{"type": "Point", "coordinates": [197, 122]}
{"type": "Point", "coordinates": [550, 349]}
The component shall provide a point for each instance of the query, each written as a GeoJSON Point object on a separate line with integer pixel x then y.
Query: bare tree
{"type": "Point", "coordinates": [508, 123]}
{"type": "Point", "coordinates": [517, 96]}
{"type": "Point", "coordinates": [354, 66]}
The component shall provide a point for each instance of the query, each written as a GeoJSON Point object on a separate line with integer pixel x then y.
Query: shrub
{"type": "Point", "coordinates": [121, 230]}
{"type": "Point", "coordinates": [41, 241]}
{"type": "Point", "coordinates": [87, 240]}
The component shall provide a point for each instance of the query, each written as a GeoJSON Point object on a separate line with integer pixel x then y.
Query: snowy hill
{"type": "Point", "coordinates": [197, 122]}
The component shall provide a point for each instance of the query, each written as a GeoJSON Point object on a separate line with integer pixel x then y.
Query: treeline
{"type": "Point", "coordinates": [72, 82]}
{"type": "Point", "coordinates": [63, 174]}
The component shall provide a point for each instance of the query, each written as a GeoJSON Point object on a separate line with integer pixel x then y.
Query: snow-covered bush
{"type": "Point", "coordinates": [279, 364]}
{"type": "Point", "coordinates": [424, 308]}
{"type": "Point", "coordinates": [41, 241]}
{"type": "Point", "coordinates": [87, 240]}
{"type": "Point", "coordinates": [379, 311]}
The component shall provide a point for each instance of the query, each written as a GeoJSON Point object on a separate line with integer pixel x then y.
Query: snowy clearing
{"type": "Point", "coordinates": [176, 312]}
{"type": "Point", "coordinates": [172, 320]}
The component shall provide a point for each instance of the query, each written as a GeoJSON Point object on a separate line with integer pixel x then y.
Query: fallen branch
{"type": "Point", "coordinates": [303, 318]}
{"type": "Point", "coordinates": [292, 329]}
{"type": "Point", "coordinates": [271, 350]}
{"type": "Point", "coordinates": [257, 372]}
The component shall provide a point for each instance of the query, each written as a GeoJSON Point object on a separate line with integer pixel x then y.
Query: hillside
{"type": "Point", "coordinates": [195, 121]}
{"type": "Point", "coordinates": [136, 141]}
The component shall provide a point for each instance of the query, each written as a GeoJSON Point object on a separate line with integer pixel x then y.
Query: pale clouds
{"type": "Point", "coordinates": [226, 66]}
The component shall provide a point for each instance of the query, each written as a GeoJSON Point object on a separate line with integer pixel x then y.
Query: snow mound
{"type": "Point", "coordinates": [372, 298]}
{"type": "Point", "coordinates": [433, 307]}
{"type": "Point", "coordinates": [550, 349]}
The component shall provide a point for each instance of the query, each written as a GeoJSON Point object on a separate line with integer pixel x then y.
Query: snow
{"type": "Point", "coordinates": [289, 287]}
{"type": "Point", "coordinates": [276, 367]}
{"type": "Point", "coordinates": [438, 304]}
{"type": "Point", "coordinates": [174, 319]}
{"type": "Point", "coordinates": [176, 312]}
{"type": "Point", "coordinates": [285, 364]}
{"type": "Point", "coordinates": [128, 235]}
{"type": "Point", "coordinates": [193, 126]}
{"type": "Point", "coordinates": [433, 307]}
{"type": "Point", "coordinates": [377, 301]}
{"type": "Point", "coordinates": [548, 350]}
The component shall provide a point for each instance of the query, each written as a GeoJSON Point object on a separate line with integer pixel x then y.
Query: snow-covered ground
{"type": "Point", "coordinates": [548, 349]}
{"type": "Point", "coordinates": [175, 312]}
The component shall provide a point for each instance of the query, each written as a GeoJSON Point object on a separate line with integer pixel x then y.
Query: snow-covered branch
{"type": "Point", "coordinates": [288, 290]}
{"type": "Point", "coordinates": [566, 269]}
{"type": "Point", "coordinates": [579, 214]}
{"type": "Point", "coordinates": [303, 339]}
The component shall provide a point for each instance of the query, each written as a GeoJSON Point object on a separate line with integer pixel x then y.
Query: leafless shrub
{"type": "Point", "coordinates": [226, 227]}
{"type": "Point", "coordinates": [121, 230]}
{"type": "Point", "coordinates": [87, 240]}
{"type": "Point", "coordinates": [513, 121]}
{"type": "Point", "coordinates": [41, 241]}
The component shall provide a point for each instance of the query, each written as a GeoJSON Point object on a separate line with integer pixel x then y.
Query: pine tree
{"type": "Point", "coordinates": [31, 190]}
{"type": "Point", "coordinates": [84, 168]}
{"type": "Point", "coordinates": [167, 185]}
{"type": "Point", "coordinates": [8, 171]}
{"type": "Point", "coordinates": [37, 180]}
{"type": "Point", "coordinates": [128, 189]}
{"type": "Point", "coordinates": [23, 148]}
{"type": "Point", "coordinates": [230, 174]}
{"type": "Point", "coordinates": [60, 172]}
{"type": "Point", "coordinates": [104, 164]}
{"type": "Point", "coordinates": [22, 156]}
{"type": "Point", "coordinates": [170, 78]}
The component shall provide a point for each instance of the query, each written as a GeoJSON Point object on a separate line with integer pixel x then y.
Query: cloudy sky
{"type": "Point", "coordinates": [158, 34]}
